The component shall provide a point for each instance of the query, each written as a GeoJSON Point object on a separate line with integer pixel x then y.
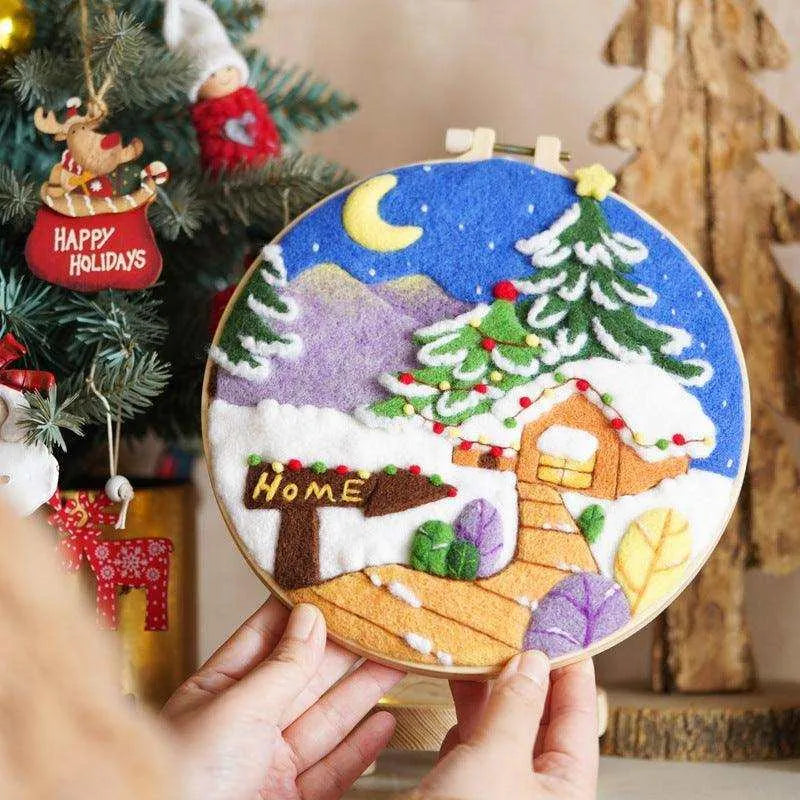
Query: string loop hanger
{"type": "Point", "coordinates": [481, 143]}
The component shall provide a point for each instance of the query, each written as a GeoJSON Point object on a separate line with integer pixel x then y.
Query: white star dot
{"type": "Point", "coordinates": [730, 463]}
{"type": "Point", "coordinates": [530, 208]}
{"type": "Point", "coordinates": [490, 245]}
{"type": "Point", "coordinates": [665, 276]}
{"type": "Point", "coordinates": [724, 403]}
{"type": "Point", "coordinates": [673, 312]}
{"type": "Point", "coordinates": [698, 293]}
{"type": "Point", "coordinates": [461, 226]}
{"type": "Point", "coordinates": [372, 273]}
{"type": "Point", "coordinates": [703, 345]}
{"type": "Point", "coordinates": [478, 289]}
{"type": "Point", "coordinates": [426, 167]}
{"type": "Point", "coordinates": [424, 208]}
{"type": "Point", "coordinates": [315, 247]}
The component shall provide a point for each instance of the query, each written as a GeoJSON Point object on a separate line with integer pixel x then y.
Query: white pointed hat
{"type": "Point", "coordinates": [193, 27]}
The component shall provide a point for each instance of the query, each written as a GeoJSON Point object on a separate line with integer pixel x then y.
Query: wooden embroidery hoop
{"type": "Point", "coordinates": [477, 145]}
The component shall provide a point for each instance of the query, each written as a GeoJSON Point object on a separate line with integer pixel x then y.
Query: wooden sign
{"type": "Point", "coordinates": [297, 492]}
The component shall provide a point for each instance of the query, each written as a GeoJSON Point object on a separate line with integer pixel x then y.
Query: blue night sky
{"type": "Point", "coordinates": [472, 215]}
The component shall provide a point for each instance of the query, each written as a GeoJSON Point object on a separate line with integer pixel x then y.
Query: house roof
{"type": "Point", "coordinates": [647, 407]}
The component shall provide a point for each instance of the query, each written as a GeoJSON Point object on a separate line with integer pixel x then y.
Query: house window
{"type": "Point", "coordinates": [566, 457]}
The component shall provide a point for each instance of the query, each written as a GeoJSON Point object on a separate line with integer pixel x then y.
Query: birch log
{"type": "Point", "coordinates": [697, 123]}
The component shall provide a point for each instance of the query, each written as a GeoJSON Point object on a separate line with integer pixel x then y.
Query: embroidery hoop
{"type": "Point", "coordinates": [547, 156]}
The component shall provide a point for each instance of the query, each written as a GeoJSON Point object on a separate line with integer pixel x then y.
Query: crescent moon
{"type": "Point", "coordinates": [363, 223]}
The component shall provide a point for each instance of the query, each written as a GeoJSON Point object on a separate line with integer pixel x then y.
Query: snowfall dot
{"type": "Point", "coordinates": [426, 167]}
{"type": "Point", "coordinates": [673, 312]}
{"type": "Point", "coordinates": [703, 345]}
{"type": "Point", "coordinates": [461, 226]}
{"type": "Point", "coordinates": [724, 403]}
{"type": "Point", "coordinates": [490, 245]}
{"type": "Point", "coordinates": [315, 247]}
{"type": "Point", "coordinates": [665, 276]}
{"type": "Point", "coordinates": [424, 208]}
{"type": "Point", "coordinates": [530, 208]}
{"type": "Point", "coordinates": [478, 289]}
{"type": "Point", "coordinates": [372, 272]}
{"type": "Point", "coordinates": [729, 463]}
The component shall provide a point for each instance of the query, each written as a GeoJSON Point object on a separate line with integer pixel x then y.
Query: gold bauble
{"type": "Point", "coordinates": [16, 29]}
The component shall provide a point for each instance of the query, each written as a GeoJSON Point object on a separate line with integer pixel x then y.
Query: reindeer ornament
{"type": "Point", "coordinates": [92, 232]}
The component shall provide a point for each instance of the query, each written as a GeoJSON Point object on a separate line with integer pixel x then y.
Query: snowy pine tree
{"type": "Point", "coordinates": [584, 302]}
{"type": "Point", "coordinates": [249, 341]}
{"type": "Point", "coordinates": [468, 363]}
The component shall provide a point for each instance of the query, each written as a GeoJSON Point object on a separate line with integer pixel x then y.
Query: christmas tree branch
{"type": "Point", "coordinates": [46, 417]}
{"type": "Point", "coordinates": [275, 193]}
{"type": "Point", "coordinates": [19, 199]}
{"type": "Point", "coordinates": [297, 99]}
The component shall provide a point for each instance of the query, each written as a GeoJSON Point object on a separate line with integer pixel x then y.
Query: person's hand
{"type": "Point", "coordinates": [518, 741]}
{"type": "Point", "coordinates": [260, 719]}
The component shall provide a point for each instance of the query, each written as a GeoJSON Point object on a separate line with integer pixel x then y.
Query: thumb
{"type": "Point", "coordinates": [514, 711]}
{"type": "Point", "coordinates": [276, 682]}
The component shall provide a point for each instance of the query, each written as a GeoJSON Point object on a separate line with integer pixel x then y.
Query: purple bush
{"type": "Point", "coordinates": [577, 611]}
{"type": "Point", "coordinates": [479, 523]}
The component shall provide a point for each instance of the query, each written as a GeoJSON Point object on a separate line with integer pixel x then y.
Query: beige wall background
{"type": "Point", "coordinates": [523, 67]}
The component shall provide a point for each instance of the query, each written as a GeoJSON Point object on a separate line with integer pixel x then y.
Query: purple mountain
{"type": "Point", "coordinates": [351, 333]}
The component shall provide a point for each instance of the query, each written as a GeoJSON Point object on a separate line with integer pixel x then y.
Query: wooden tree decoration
{"type": "Point", "coordinates": [298, 491]}
{"type": "Point", "coordinates": [697, 123]}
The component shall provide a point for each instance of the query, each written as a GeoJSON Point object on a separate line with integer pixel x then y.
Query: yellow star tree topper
{"type": "Point", "coordinates": [594, 181]}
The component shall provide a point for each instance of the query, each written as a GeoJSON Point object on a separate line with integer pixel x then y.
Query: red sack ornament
{"type": "Point", "coordinates": [235, 130]}
{"type": "Point", "coordinates": [135, 563]}
{"type": "Point", "coordinates": [92, 232]}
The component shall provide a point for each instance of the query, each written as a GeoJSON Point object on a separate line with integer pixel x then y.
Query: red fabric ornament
{"type": "Point", "coordinates": [617, 424]}
{"type": "Point", "coordinates": [23, 380]}
{"type": "Point", "coordinates": [235, 131]}
{"type": "Point", "coordinates": [415, 469]}
{"type": "Point", "coordinates": [342, 469]}
{"type": "Point", "coordinates": [505, 290]}
{"type": "Point", "coordinates": [294, 464]}
{"type": "Point", "coordinates": [525, 402]}
{"type": "Point", "coordinates": [91, 253]}
{"type": "Point", "coordinates": [496, 451]}
{"type": "Point", "coordinates": [582, 385]}
{"type": "Point", "coordinates": [452, 491]}
{"type": "Point", "coordinates": [481, 388]}
{"type": "Point", "coordinates": [465, 446]}
{"type": "Point", "coordinates": [679, 439]}
{"type": "Point", "coordinates": [137, 563]}
{"type": "Point", "coordinates": [218, 304]}
{"type": "Point", "coordinates": [406, 378]}
{"type": "Point", "coordinates": [488, 344]}
{"type": "Point", "coordinates": [438, 427]}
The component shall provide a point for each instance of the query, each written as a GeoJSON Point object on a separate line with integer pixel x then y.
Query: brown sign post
{"type": "Point", "coordinates": [297, 492]}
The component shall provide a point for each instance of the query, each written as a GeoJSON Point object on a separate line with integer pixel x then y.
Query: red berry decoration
{"type": "Point", "coordinates": [582, 385]}
{"type": "Point", "coordinates": [496, 451]}
{"type": "Point", "coordinates": [679, 439]}
{"type": "Point", "coordinates": [294, 464]}
{"type": "Point", "coordinates": [452, 491]}
{"type": "Point", "coordinates": [465, 446]}
{"type": "Point", "coordinates": [481, 388]}
{"type": "Point", "coordinates": [438, 427]}
{"type": "Point", "coordinates": [504, 290]}
{"type": "Point", "coordinates": [488, 344]}
{"type": "Point", "coordinates": [415, 469]}
{"type": "Point", "coordinates": [525, 402]}
{"type": "Point", "coordinates": [617, 424]}
{"type": "Point", "coordinates": [406, 378]}
{"type": "Point", "coordinates": [342, 469]}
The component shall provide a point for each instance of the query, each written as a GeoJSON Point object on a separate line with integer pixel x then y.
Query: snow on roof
{"type": "Point", "coordinates": [659, 417]}
{"type": "Point", "coordinates": [565, 442]}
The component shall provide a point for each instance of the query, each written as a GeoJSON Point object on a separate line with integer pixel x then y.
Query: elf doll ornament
{"type": "Point", "coordinates": [234, 128]}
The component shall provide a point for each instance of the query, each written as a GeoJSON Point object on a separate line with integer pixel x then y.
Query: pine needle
{"type": "Point", "coordinates": [46, 416]}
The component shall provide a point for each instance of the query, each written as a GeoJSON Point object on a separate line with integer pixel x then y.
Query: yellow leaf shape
{"type": "Point", "coordinates": [652, 556]}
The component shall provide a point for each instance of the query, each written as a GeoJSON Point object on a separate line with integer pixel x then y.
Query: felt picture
{"type": "Point", "coordinates": [468, 408]}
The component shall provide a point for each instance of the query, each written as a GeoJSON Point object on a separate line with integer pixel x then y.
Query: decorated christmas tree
{"type": "Point", "coordinates": [580, 302]}
{"type": "Point", "coordinates": [233, 184]}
